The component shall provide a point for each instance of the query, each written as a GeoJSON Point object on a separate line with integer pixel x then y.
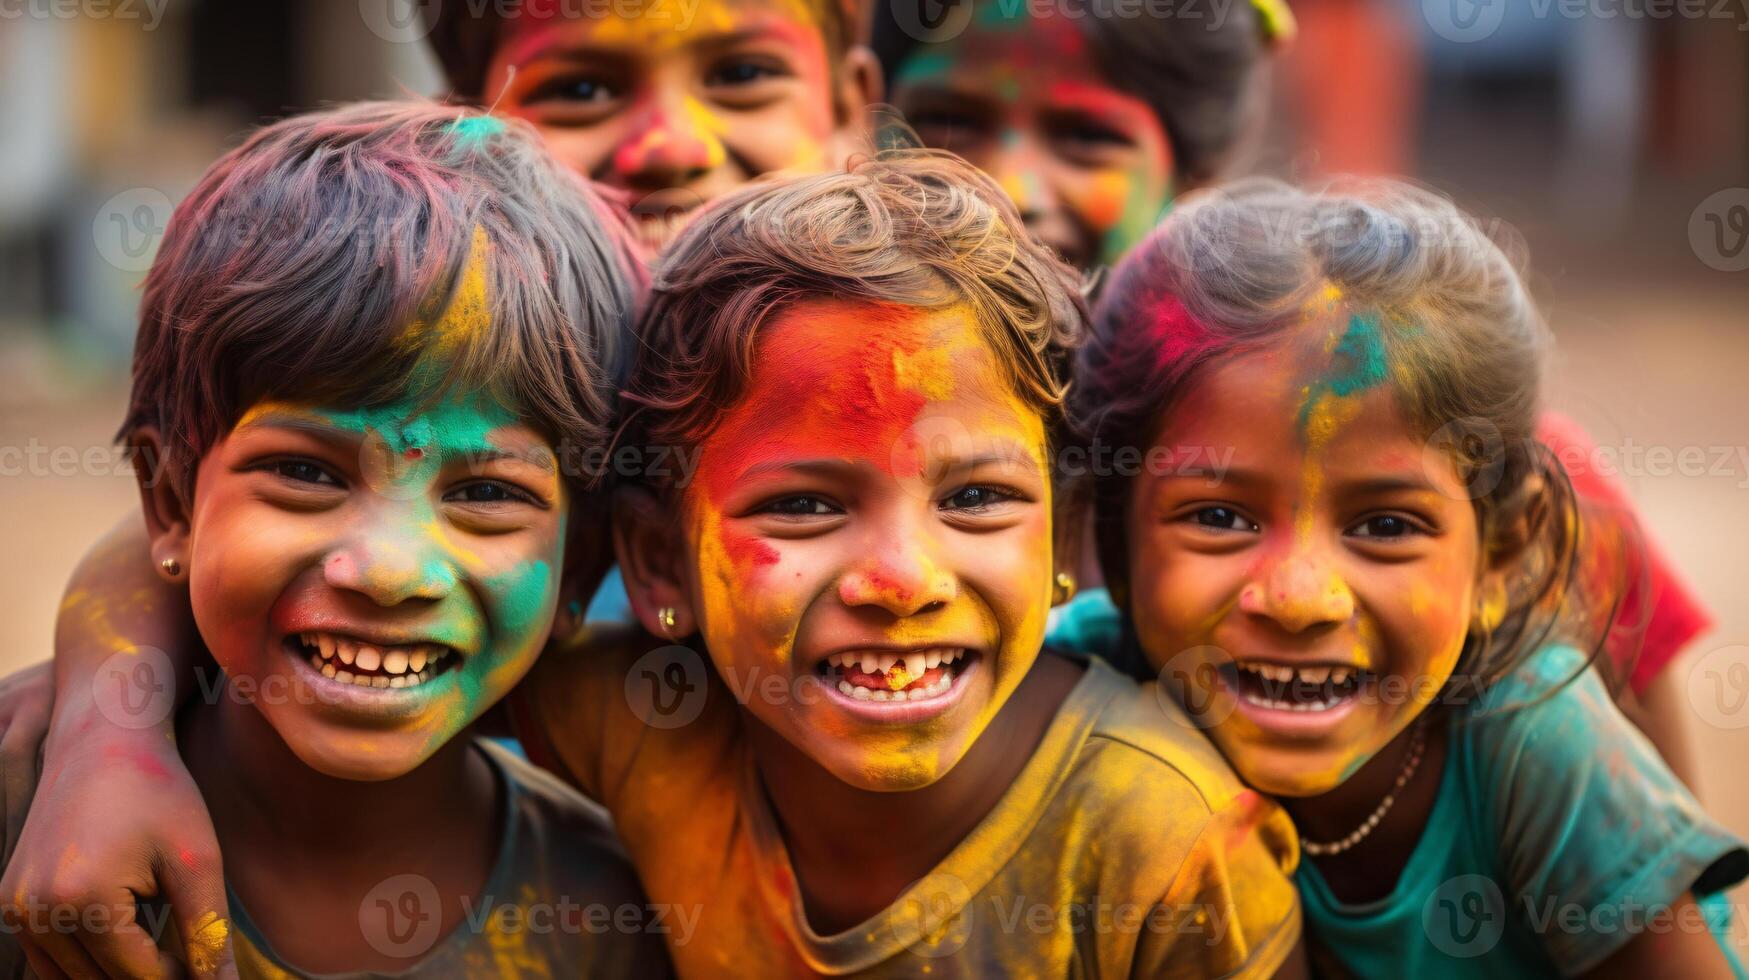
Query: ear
{"type": "Point", "coordinates": [167, 520]}
{"type": "Point", "coordinates": [1516, 525]}
{"type": "Point", "coordinates": [857, 87]}
{"type": "Point", "coordinates": [651, 549]}
{"type": "Point", "coordinates": [1070, 539]}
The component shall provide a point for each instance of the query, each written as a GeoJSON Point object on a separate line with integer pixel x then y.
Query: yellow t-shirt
{"type": "Point", "coordinates": [1126, 846]}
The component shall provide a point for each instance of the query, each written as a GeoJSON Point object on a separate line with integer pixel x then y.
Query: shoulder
{"type": "Point", "coordinates": [559, 834]}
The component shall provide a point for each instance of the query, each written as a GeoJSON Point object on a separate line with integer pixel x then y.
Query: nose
{"type": "Point", "coordinates": [391, 565]}
{"type": "Point", "coordinates": [901, 578]}
{"type": "Point", "coordinates": [1299, 590]}
{"type": "Point", "coordinates": [1019, 168]}
{"type": "Point", "coordinates": [671, 143]}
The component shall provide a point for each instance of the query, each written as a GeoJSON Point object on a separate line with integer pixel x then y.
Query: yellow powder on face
{"type": "Point", "coordinates": [927, 371]}
{"type": "Point", "coordinates": [469, 313]}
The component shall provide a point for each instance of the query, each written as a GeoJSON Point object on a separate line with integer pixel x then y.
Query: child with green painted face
{"type": "Point", "coordinates": [368, 335]}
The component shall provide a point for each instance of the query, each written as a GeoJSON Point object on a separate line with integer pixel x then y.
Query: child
{"type": "Point", "coordinates": [366, 337]}
{"type": "Point", "coordinates": [1362, 612]}
{"type": "Point", "coordinates": [1093, 121]}
{"type": "Point", "coordinates": [674, 102]}
{"type": "Point", "coordinates": [870, 769]}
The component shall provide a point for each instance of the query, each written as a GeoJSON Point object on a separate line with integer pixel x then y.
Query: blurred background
{"type": "Point", "coordinates": [1613, 135]}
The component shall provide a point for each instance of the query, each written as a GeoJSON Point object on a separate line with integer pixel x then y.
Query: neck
{"type": "Point", "coordinates": [1370, 868]}
{"type": "Point", "coordinates": [265, 802]}
{"type": "Point", "coordinates": [855, 850]}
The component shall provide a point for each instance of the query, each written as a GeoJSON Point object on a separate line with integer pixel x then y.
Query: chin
{"type": "Point", "coordinates": [1281, 773]}
{"type": "Point", "coordinates": [343, 755]}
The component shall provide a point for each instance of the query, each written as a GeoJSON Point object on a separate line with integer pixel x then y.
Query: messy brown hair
{"type": "Point", "coordinates": [912, 227]}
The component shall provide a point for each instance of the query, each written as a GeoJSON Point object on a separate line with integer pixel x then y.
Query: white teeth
{"type": "Point", "coordinates": [343, 676]}
{"type": "Point", "coordinates": [315, 661]}
{"type": "Point", "coordinates": [346, 649]}
{"type": "Point", "coordinates": [395, 661]}
{"type": "Point", "coordinates": [369, 658]}
{"type": "Point", "coordinates": [861, 694]}
{"type": "Point", "coordinates": [325, 643]}
{"type": "Point", "coordinates": [1340, 675]}
{"type": "Point", "coordinates": [869, 663]}
{"type": "Point", "coordinates": [931, 659]}
{"type": "Point", "coordinates": [379, 681]}
{"type": "Point", "coordinates": [327, 670]}
{"type": "Point", "coordinates": [416, 660]}
{"type": "Point", "coordinates": [1314, 675]}
{"type": "Point", "coordinates": [399, 680]}
{"type": "Point", "coordinates": [886, 661]}
{"type": "Point", "coordinates": [915, 663]}
{"type": "Point", "coordinates": [879, 695]}
{"type": "Point", "coordinates": [847, 688]}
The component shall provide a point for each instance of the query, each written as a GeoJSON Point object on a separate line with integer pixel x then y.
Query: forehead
{"type": "Point", "coordinates": [458, 422]}
{"type": "Point", "coordinates": [1002, 43]}
{"type": "Point", "coordinates": [660, 26]}
{"type": "Point", "coordinates": [1324, 385]}
{"type": "Point", "coordinates": [844, 379]}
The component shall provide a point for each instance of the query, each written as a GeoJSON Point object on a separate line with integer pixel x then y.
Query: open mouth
{"type": "Point", "coordinates": [353, 661]}
{"type": "Point", "coordinates": [1311, 688]}
{"type": "Point", "coordinates": [914, 675]}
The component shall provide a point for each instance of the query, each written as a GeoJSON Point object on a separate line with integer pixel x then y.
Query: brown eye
{"type": "Point", "coordinates": [304, 471]}
{"type": "Point", "coordinates": [800, 505]}
{"type": "Point", "coordinates": [1222, 519]}
{"type": "Point", "coordinates": [488, 492]}
{"type": "Point", "coordinates": [975, 498]}
{"type": "Point", "coordinates": [1384, 526]}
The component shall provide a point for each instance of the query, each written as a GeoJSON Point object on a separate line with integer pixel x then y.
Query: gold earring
{"type": "Point", "coordinates": [171, 567]}
{"type": "Point", "coordinates": [1065, 586]}
{"type": "Point", "coordinates": [665, 616]}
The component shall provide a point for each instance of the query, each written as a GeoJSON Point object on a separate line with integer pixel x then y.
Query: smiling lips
{"type": "Point", "coordinates": [352, 661]}
{"type": "Point", "coordinates": [912, 675]}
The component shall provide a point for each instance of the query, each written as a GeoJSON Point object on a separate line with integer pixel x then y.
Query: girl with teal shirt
{"type": "Point", "coordinates": [1346, 556]}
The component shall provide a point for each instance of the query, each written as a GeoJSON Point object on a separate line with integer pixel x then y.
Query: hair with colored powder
{"type": "Point", "coordinates": [911, 227]}
{"type": "Point", "coordinates": [309, 263]}
{"type": "Point", "coordinates": [1457, 336]}
{"type": "Point", "coordinates": [1198, 72]}
{"type": "Point", "coordinates": [464, 36]}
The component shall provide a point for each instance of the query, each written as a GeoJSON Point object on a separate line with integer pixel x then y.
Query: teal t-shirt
{"type": "Point", "coordinates": [1557, 831]}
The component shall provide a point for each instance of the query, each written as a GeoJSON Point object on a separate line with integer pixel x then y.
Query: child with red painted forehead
{"type": "Point", "coordinates": [1350, 559]}
{"type": "Point", "coordinates": [840, 739]}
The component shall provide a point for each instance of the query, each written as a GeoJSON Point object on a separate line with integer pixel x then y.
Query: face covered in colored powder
{"type": "Point", "coordinates": [1309, 599]}
{"type": "Point", "coordinates": [383, 576]}
{"type": "Point", "coordinates": [1087, 164]}
{"type": "Point", "coordinates": [872, 524]}
{"type": "Point", "coordinates": [679, 103]}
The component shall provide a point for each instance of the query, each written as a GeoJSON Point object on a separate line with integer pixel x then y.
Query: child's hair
{"type": "Point", "coordinates": [464, 36]}
{"type": "Point", "coordinates": [302, 263]}
{"type": "Point", "coordinates": [1464, 348]}
{"type": "Point", "coordinates": [1196, 70]}
{"type": "Point", "coordinates": [917, 228]}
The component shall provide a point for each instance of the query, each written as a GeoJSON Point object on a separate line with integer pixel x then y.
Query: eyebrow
{"type": "Point", "coordinates": [587, 50]}
{"type": "Point", "coordinates": [1009, 455]}
{"type": "Point", "coordinates": [1395, 483]}
{"type": "Point", "coordinates": [1237, 476]}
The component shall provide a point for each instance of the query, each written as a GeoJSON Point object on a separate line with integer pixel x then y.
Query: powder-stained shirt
{"type": "Point", "coordinates": [1557, 835]}
{"type": "Point", "coordinates": [1125, 847]}
{"type": "Point", "coordinates": [561, 901]}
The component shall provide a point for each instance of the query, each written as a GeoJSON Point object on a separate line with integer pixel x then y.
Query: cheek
{"type": "Point", "coordinates": [1178, 596]}
{"type": "Point", "coordinates": [750, 591]}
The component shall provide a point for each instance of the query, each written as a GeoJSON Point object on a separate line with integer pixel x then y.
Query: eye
{"type": "Point", "coordinates": [580, 90]}
{"type": "Point", "coordinates": [1095, 135]}
{"type": "Point", "coordinates": [975, 498]}
{"type": "Point", "coordinates": [741, 73]}
{"type": "Point", "coordinates": [800, 505]}
{"type": "Point", "coordinates": [304, 471]}
{"type": "Point", "coordinates": [1385, 526]}
{"type": "Point", "coordinates": [488, 492]}
{"type": "Point", "coordinates": [1222, 519]}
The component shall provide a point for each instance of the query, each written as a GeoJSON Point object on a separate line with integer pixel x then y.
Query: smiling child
{"type": "Point", "coordinates": [1365, 601]}
{"type": "Point", "coordinates": [366, 335]}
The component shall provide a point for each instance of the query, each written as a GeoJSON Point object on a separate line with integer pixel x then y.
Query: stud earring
{"type": "Point", "coordinates": [1065, 586]}
{"type": "Point", "coordinates": [665, 616]}
{"type": "Point", "coordinates": [171, 567]}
